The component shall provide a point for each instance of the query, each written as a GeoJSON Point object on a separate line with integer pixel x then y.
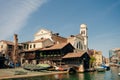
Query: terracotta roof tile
{"type": "Point", "coordinates": [74, 55]}
{"type": "Point", "coordinates": [53, 47]}
{"type": "Point", "coordinates": [56, 46]}
{"type": "Point", "coordinates": [58, 38]}
{"type": "Point", "coordinates": [7, 42]}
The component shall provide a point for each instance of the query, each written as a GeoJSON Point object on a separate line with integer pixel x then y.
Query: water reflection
{"type": "Point", "coordinates": [61, 76]}
{"type": "Point", "coordinates": [81, 76]}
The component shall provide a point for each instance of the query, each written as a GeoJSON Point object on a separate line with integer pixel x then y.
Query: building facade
{"type": "Point", "coordinates": [45, 39]}
{"type": "Point", "coordinates": [41, 43]}
{"type": "Point", "coordinates": [79, 41]}
{"type": "Point", "coordinates": [51, 54]}
{"type": "Point", "coordinates": [114, 55]}
{"type": "Point", "coordinates": [99, 57]}
{"type": "Point", "coordinates": [45, 45]}
{"type": "Point", "coordinates": [7, 50]}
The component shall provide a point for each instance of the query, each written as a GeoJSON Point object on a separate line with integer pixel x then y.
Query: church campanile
{"type": "Point", "coordinates": [84, 33]}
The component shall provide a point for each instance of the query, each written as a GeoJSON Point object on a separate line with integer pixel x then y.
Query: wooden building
{"type": "Point", "coordinates": [51, 54]}
{"type": "Point", "coordinates": [79, 58]}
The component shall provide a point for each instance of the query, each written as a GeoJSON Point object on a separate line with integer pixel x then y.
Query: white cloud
{"type": "Point", "coordinates": [15, 13]}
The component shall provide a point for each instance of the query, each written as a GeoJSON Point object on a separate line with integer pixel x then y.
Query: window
{"type": "Point", "coordinates": [27, 46]}
{"type": "Point", "coordinates": [20, 47]}
{"type": "Point", "coordinates": [42, 38]}
{"type": "Point", "coordinates": [9, 54]}
{"type": "Point", "coordinates": [30, 46]}
{"type": "Point", "coordinates": [1, 46]}
{"type": "Point", "coordinates": [10, 47]}
{"type": "Point", "coordinates": [79, 45]}
{"type": "Point", "coordinates": [34, 45]}
{"type": "Point", "coordinates": [82, 32]}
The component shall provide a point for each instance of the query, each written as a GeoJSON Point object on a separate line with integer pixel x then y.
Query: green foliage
{"type": "Point", "coordinates": [92, 61]}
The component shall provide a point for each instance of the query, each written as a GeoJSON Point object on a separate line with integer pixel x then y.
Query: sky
{"type": "Point", "coordinates": [26, 17]}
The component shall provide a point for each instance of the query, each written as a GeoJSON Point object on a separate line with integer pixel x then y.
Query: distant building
{"type": "Point", "coordinates": [7, 50]}
{"type": "Point", "coordinates": [107, 61]}
{"type": "Point", "coordinates": [114, 55]}
{"type": "Point", "coordinates": [111, 53]}
{"type": "Point", "coordinates": [98, 56]}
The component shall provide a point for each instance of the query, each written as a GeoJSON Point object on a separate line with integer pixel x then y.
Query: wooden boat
{"type": "Point", "coordinates": [119, 74]}
{"type": "Point", "coordinates": [37, 67]}
{"type": "Point", "coordinates": [59, 68]}
{"type": "Point", "coordinates": [100, 69]}
{"type": "Point", "coordinates": [29, 66]}
{"type": "Point", "coordinates": [106, 66]}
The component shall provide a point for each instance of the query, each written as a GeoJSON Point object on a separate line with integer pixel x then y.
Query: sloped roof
{"type": "Point", "coordinates": [56, 46]}
{"type": "Point", "coordinates": [57, 38]}
{"type": "Point", "coordinates": [26, 42]}
{"type": "Point", "coordinates": [80, 36]}
{"type": "Point", "coordinates": [40, 40]}
{"type": "Point", "coordinates": [52, 47]}
{"type": "Point", "coordinates": [74, 55]}
{"type": "Point", "coordinates": [7, 42]}
{"type": "Point", "coordinates": [116, 49]}
{"type": "Point", "coordinates": [71, 38]}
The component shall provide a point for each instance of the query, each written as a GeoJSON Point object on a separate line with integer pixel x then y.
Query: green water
{"type": "Point", "coordinates": [107, 75]}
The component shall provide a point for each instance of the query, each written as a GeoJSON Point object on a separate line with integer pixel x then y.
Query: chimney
{"type": "Point", "coordinates": [15, 51]}
{"type": "Point", "coordinates": [57, 34]}
{"type": "Point", "coordinates": [72, 36]}
{"type": "Point", "coordinates": [15, 39]}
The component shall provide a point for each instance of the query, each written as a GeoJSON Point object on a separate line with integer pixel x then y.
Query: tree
{"type": "Point", "coordinates": [92, 61]}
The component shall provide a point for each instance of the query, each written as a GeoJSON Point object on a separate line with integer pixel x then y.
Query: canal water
{"type": "Point", "coordinates": [107, 75]}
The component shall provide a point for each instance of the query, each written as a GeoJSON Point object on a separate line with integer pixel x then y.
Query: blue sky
{"type": "Point", "coordinates": [26, 17]}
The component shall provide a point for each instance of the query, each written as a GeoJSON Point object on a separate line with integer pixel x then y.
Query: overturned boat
{"type": "Point", "coordinates": [37, 67]}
